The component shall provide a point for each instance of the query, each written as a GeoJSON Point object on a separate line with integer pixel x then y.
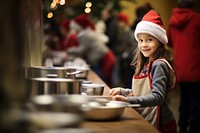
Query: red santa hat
{"type": "Point", "coordinates": [65, 24]}
{"type": "Point", "coordinates": [123, 18]}
{"type": "Point", "coordinates": [84, 21]}
{"type": "Point", "coordinates": [152, 24]}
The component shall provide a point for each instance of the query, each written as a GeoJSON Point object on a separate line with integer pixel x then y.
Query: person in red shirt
{"type": "Point", "coordinates": [92, 48]}
{"type": "Point", "coordinates": [69, 38]}
{"type": "Point", "coordinates": [184, 35]}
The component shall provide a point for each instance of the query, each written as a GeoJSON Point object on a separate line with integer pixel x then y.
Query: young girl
{"type": "Point", "coordinates": [154, 76]}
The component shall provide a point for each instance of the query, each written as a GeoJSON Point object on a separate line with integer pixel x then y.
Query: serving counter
{"type": "Point", "coordinates": [130, 122]}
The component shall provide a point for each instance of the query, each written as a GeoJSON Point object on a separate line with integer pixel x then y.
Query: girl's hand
{"type": "Point", "coordinates": [120, 98]}
{"type": "Point", "coordinates": [131, 94]}
{"type": "Point", "coordinates": [115, 91]}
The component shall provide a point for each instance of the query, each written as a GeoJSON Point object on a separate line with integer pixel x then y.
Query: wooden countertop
{"type": "Point", "coordinates": [130, 122]}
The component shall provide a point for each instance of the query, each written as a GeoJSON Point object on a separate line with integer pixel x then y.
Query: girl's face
{"type": "Point", "coordinates": [147, 44]}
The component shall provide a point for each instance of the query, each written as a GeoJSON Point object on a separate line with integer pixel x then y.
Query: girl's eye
{"type": "Point", "coordinates": [140, 40]}
{"type": "Point", "coordinates": [149, 40]}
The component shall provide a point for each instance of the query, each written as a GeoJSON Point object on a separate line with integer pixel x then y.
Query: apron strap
{"type": "Point", "coordinates": [164, 60]}
{"type": "Point", "coordinates": [172, 72]}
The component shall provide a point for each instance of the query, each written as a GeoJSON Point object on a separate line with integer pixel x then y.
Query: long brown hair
{"type": "Point", "coordinates": [139, 60]}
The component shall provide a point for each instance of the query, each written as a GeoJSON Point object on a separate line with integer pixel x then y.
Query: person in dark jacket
{"type": "Point", "coordinates": [110, 20]}
{"type": "Point", "coordinates": [184, 35]}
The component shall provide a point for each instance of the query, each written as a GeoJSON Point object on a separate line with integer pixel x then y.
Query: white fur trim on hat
{"type": "Point", "coordinates": [152, 29]}
{"type": "Point", "coordinates": [73, 25]}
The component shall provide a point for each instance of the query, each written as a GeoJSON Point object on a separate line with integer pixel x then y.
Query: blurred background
{"type": "Point", "coordinates": [24, 24]}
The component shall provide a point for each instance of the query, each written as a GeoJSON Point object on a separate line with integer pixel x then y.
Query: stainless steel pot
{"type": "Point", "coordinates": [93, 88]}
{"type": "Point", "coordinates": [43, 71]}
{"type": "Point", "coordinates": [41, 86]}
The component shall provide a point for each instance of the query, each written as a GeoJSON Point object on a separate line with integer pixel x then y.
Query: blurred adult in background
{"type": "Point", "coordinates": [184, 35]}
{"type": "Point", "coordinates": [140, 12]}
{"type": "Point", "coordinates": [109, 17]}
{"type": "Point", "coordinates": [123, 50]}
{"type": "Point", "coordinates": [92, 48]}
{"type": "Point", "coordinates": [53, 55]}
{"type": "Point", "coordinates": [68, 38]}
{"type": "Point", "coordinates": [100, 28]}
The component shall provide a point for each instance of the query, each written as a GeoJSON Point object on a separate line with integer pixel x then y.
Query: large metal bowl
{"type": "Point", "coordinates": [104, 113]}
{"type": "Point", "coordinates": [110, 111]}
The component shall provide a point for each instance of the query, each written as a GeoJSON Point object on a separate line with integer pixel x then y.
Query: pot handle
{"type": "Point", "coordinates": [52, 75]}
{"type": "Point", "coordinates": [72, 73]}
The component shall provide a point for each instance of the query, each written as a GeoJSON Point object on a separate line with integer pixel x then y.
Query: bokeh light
{"type": "Point", "coordinates": [50, 15]}
{"type": "Point", "coordinates": [87, 10]}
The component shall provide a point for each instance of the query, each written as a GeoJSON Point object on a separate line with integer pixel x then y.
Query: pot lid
{"type": "Point", "coordinates": [51, 68]}
{"type": "Point", "coordinates": [43, 79]}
